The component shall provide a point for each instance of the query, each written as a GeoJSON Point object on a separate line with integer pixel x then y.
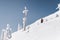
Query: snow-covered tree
{"type": "Point", "coordinates": [18, 27]}
{"type": "Point", "coordinates": [2, 34]}
{"type": "Point", "coordinates": [8, 29]}
{"type": "Point", "coordinates": [25, 11]}
{"type": "Point", "coordinates": [57, 15]}
{"type": "Point", "coordinates": [28, 28]}
{"type": "Point", "coordinates": [6, 34]}
{"type": "Point", "coordinates": [58, 6]}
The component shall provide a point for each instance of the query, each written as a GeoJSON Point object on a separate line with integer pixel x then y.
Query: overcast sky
{"type": "Point", "coordinates": [11, 11]}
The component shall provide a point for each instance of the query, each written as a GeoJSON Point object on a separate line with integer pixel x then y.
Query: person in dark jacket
{"type": "Point", "coordinates": [41, 20]}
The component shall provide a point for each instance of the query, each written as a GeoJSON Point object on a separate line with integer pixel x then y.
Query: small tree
{"type": "Point", "coordinates": [19, 27]}
{"type": "Point", "coordinates": [2, 34]}
{"type": "Point", "coordinates": [28, 28]}
{"type": "Point", "coordinates": [57, 15]}
{"type": "Point", "coordinates": [8, 32]}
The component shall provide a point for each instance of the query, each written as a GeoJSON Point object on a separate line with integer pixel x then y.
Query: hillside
{"type": "Point", "coordinates": [48, 30]}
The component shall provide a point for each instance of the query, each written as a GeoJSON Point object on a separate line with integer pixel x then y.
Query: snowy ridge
{"type": "Point", "coordinates": [52, 16]}
{"type": "Point", "coordinates": [48, 30]}
{"type": "Point", "coordinates": [49, 17]}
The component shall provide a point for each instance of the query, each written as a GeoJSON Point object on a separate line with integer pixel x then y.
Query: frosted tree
{"type": "Point", "coordinates": [28, 28]}
{"type": "Point", "coordinates": [19, 27]}
{"type": "Point", "coordinates": [2, 34]}
{"type": "Point", "coordinates": [58, 6]}
{"type": "Point", "coordinates": [24, 23]}
{"type": "Point", "coordinates": [8, 32]}
{"type": "Point", "coordinates": [25, 11]}
{"type": "Point", "coordinates": [57, 15]}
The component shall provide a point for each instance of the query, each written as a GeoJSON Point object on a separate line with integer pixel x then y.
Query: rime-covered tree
{"type": "Point", "coordinates": [25, 11]}
{"type": "Point", "coordinates": [18, 27]}
{"type": "Point", "coordinates": [8, 31]}
{"type": "Point", "coordinates": [2, 34]}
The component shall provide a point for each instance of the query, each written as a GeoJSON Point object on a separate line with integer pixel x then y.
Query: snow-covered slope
{"type": "Point", "coordinates": [48, 30]}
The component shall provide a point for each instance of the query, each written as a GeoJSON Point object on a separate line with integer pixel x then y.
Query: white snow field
{"type": "Point", "coordinates": [48, 30]}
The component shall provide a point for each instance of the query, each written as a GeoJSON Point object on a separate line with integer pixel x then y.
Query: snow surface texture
{"type": "Point", "coordinates": [48, 30]}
